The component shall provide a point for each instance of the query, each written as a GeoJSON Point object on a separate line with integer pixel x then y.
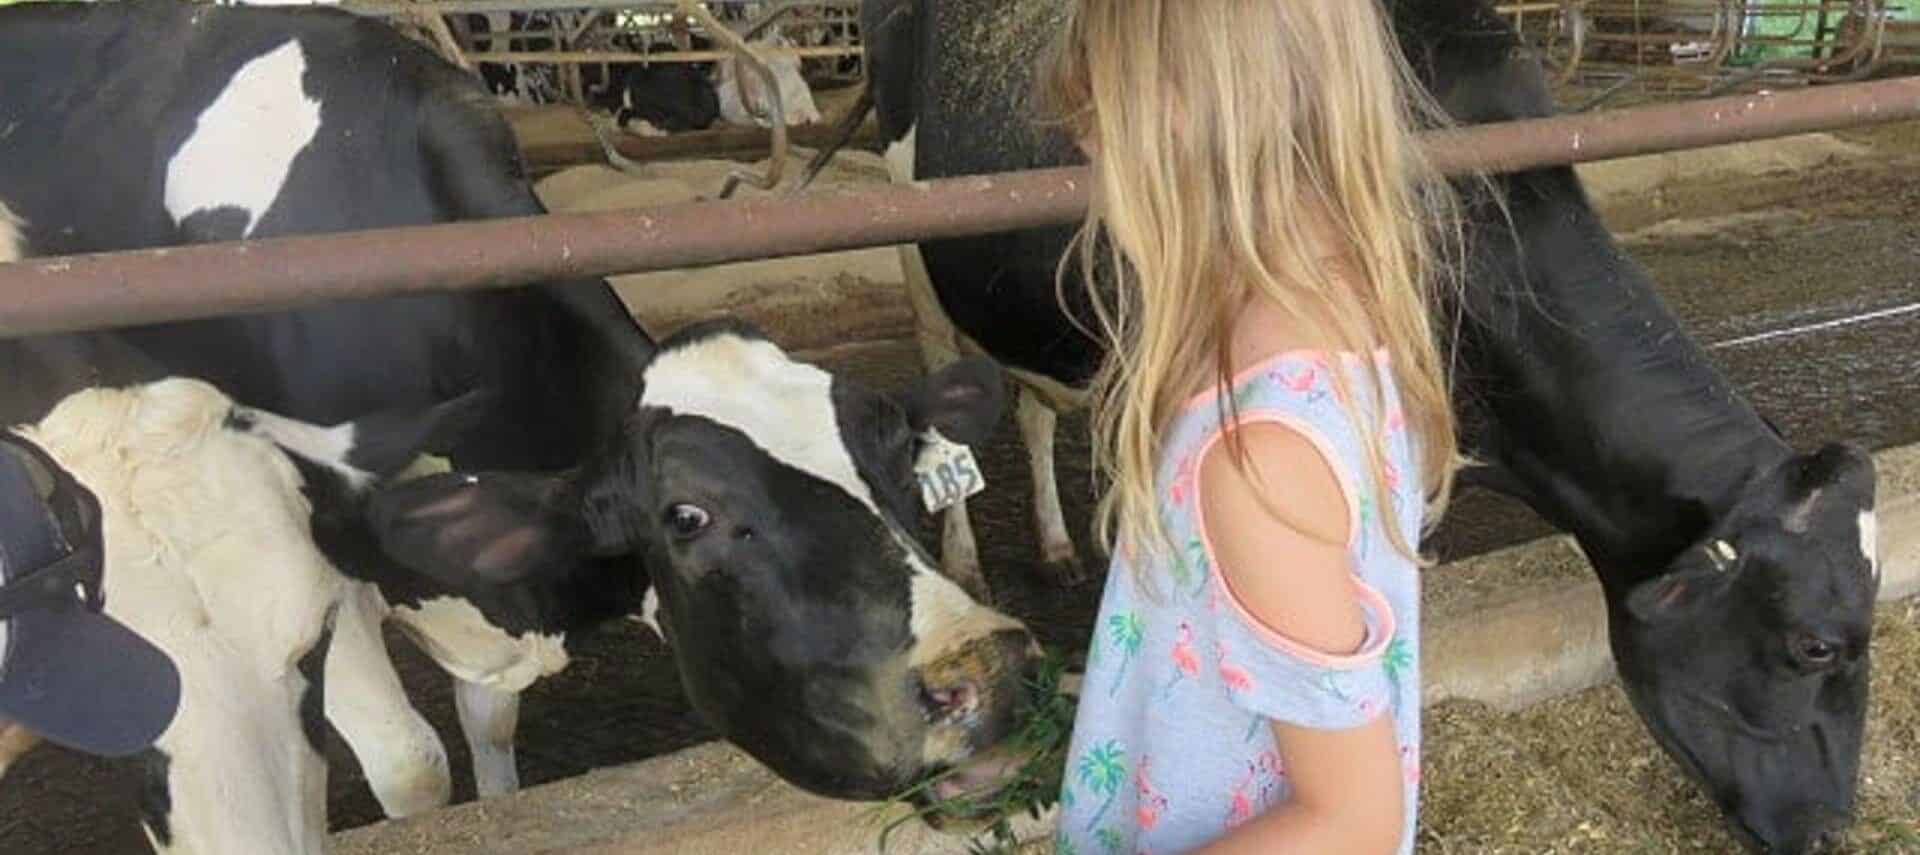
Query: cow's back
{"type": "Point", "coordinates": [260, 123]}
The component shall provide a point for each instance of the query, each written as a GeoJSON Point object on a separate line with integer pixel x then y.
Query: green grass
{"type": "Point", "coordinates": [1045, 727]}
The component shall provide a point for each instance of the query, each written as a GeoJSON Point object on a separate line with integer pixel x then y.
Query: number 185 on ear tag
{"type": "Point", "coordinates": [947, 472]}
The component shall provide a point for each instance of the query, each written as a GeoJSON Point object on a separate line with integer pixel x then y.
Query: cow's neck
{"type": "Point", "coordinates": [1605, 410]}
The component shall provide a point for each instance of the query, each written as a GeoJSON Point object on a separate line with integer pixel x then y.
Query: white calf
{"type": "Point", "coordinates": [209, 555]}
{"type": "Point", "coordinates": [744, 99]}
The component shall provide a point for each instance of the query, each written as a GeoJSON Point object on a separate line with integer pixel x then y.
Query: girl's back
{"type": "Point", "coordinates": [1174, 751]}
{"type": "Point", "coordinates": [1268, 219]}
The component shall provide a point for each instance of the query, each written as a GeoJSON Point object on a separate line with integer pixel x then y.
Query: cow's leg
{"type": "Point", "coordinates": [15, 741]}
{"type": "Point", "coordinates": [1037, 421]}
{"type": "Point", "coordinates": [939, 347]}
{"type": "Point", "coordinates": [489, 716]}
{"type": "Point", "coordinates": [403, 757]}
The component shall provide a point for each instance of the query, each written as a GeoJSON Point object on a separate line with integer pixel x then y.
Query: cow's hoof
{"type": "Point", "coordinates": [1064, 570]}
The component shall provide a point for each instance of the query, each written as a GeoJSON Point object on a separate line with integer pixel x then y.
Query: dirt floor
{"type": "Point", "coordinates": [1735, 258]}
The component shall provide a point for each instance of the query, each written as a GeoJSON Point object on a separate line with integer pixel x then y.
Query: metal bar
{"type": "Point", "coordinates": [118, 289]}
{"type": "Point", "coordinates": [454, 7]}
{"type": "Point", "coordinates": [751, 56]}
{"type": "Point", "coordinates": [586, 56]}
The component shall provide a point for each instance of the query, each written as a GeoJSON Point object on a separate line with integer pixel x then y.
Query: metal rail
{"type": "Point", "coordinates": [124, 288]}
{"type": "Point", "coordinates": [452, 7]}
{"type": "Point", "coordinates": [587, 57]}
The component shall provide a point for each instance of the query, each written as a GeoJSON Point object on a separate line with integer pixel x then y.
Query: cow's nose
{"type": "Point", "coordinates": [1809, 832]}
{"type": "Point", "coordinates": [950, 702]}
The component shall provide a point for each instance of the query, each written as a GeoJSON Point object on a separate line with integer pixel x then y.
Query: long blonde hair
{"type": "Point", "coordinates": [1250, 148]}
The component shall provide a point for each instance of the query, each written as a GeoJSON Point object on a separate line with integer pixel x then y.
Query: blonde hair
{"type": "Point", "coordinates": [1252, 148]}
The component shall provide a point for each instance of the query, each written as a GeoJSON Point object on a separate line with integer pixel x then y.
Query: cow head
{"type": "Point", "coordinates": [770, 502]}
{"type": "Point", "coordinates": [209, 556]}
{"type": "Point", "coordinates": [796, 98]}
{"type": "Point", "coordinates": [1748, 657]}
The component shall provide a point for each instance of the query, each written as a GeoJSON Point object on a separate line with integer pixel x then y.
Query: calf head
{"type": "Point", "coordinates": [1748, 657]}
{"type": "Point", "coordinates": [209, 556]}
{"type": "Point", "coordinates": [770, 503]}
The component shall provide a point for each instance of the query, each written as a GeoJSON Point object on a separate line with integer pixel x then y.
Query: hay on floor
{"type": "Point", "coordinates": [1580, 774]}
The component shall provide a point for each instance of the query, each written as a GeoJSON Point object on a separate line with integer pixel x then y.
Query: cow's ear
{"type": "Point", "coordinates": [963, 401]}
{"type": "Point", "coordinates": [487, 529]}
{"type": "Point", "coordinates": [372, 448]}
{"type": "Point", "coordinates": [1701, 575]}
{"type": "Point", "coordinates": [386, 442]}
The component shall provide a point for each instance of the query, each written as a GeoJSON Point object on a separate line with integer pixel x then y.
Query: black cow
{"type": "Point", "coordinates": [806, 626]}
{"type": "Point", "coordinates": [663, 98]}
{"type": "Point", "coordinates": [1740, 576]}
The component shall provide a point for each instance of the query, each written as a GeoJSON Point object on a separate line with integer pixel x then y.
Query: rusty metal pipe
{"type": "Point", "coordinates": [124, 288]}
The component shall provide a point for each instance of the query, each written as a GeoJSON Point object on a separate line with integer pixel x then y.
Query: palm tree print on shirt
{"type": "Point", "coordinates": [1397, 660]}
{"type": "Point", "coordinates": [1110, 841]}
{"type": "Point", "coordinates": [1125, 631]}
{"type": "Point", "coordinates": [1102, 771]}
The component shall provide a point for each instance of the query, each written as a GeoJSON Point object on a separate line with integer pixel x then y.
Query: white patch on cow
{"type": "Point", "coordinates": [209, 556]}
{"type": "Point", "coordinates": [400, 753]}
{"type": "Point", "coordinates": [13, 245]}
{"type": "Point", "coordinates": [464, 643]}
{"type": "Point", "coordinates": [1870, 540]}
{"type": "Point", "coordinates": [489, 717]}
{"type": "Point", "coordinates": [784, 407]}
{"type": "Point", "coordinates": [245, 142]}
{"type": "Point", "coordinates": [326, 446]}
{"type": "Point", "coordinates": [944, 621]}
{"type": "Point", "coordinates": [941, 616]}
{"type": "Point", "coordinates": [743, 95]}
{"type": "Point", "coordinates": [642, 128]}
{"type": "Point", "coordinates": [899, 157]}
{"type": "Point", "coordinates": [649, 615]}
{"type": "Point", "coordinates": [1802, 514]}
{"type": "Point", "coordinates": [15, 739]}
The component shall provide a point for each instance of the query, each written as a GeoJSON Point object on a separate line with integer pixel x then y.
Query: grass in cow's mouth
{"type": "Point", "coordinates": [1044, 727]}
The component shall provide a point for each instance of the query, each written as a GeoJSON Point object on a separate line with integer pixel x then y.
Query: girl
{"type": "Point", "coordinates": [1271, 416]}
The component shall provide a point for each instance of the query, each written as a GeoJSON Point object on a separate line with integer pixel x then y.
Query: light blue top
{"type": "Point", "coordinates": [1171, 747]}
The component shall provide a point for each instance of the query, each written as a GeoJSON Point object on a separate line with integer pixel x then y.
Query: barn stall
{"type": "Point", "coordinates": [1738, 236]}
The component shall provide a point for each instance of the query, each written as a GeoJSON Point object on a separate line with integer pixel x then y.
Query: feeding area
{"type": "Point", "coordinates": [470, 709]}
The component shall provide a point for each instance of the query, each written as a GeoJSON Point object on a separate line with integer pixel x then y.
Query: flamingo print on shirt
{"type": "Point", "coordinates": [1233, 675]}
{"type": "Point", "coordinates": [1185, 662]}
{"type": "Point", "coordinates": [1181, 490]}
{"type": "Point", "coordinates": [1305, 382]}
{"type": "Point", "coordinates": [1264, 771]}
{"type": "Point", "coordinates": [1152, 802]}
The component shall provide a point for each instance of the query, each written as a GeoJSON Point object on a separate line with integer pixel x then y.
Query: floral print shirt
{"type": "Point", "coordinates": [1171, 746]}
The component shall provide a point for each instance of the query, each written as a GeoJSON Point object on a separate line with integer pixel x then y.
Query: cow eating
{"type": "Point", "coordinates": [1594, 408]}
{"type": "Point", "coordinates": [847, 667]}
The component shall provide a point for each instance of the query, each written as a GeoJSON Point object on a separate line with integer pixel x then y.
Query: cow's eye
{"type": "Point", "coordinates": [1814, 650]}
{"type": "Point", "coordinates": [687, 520]}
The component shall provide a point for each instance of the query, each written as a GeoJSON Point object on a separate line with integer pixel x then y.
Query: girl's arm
{"type": "Point", "coordinates": [1298, 582]}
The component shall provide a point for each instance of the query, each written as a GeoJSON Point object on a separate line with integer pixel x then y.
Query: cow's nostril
{"type": "Point", "coordinates": [952, 701]}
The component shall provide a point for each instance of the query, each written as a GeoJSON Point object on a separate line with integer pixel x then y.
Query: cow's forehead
{"type": "Point", "coordinates": [784, 407]}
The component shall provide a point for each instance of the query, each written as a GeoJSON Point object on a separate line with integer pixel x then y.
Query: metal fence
{"type": "Point", "coordinates": [125, 288]}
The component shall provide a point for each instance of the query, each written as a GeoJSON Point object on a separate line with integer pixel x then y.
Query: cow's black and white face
{"type": "Point", "coordinates": [770, 502]}
{"type": "Point", "coordinates": [1748, 658]}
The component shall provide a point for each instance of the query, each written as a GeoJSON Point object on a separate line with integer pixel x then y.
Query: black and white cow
{"type": "Point", "coordinates": [806, 626]}
{"type": "Point", "coordinates": [1740, 576]}
{"type": "Point", "coordinates": [663, 98]}
{"type": "Point", "coordinates": [208, 553]}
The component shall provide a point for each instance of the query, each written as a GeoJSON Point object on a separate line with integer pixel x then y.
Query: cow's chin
{"type": "Point", "coordinates": [964, 798]}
